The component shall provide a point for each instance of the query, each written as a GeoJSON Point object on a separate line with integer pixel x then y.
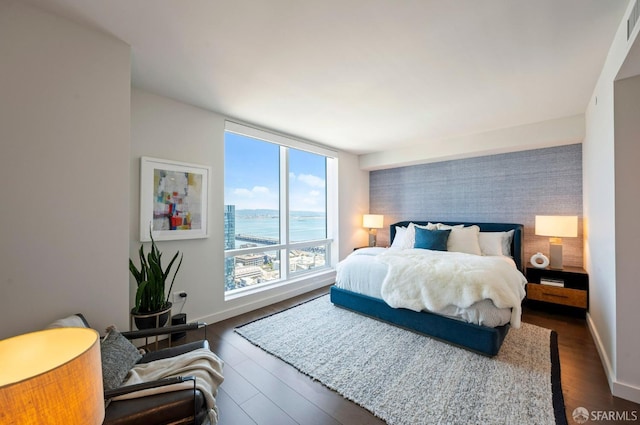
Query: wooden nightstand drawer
{"type": "Point", "coordinates": [557, 295]}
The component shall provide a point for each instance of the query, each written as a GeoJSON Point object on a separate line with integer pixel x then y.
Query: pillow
{"type": "Point", "coordinates": [435, 240]}
{"type": "Point", "coordinates": [441, 226]}
{"type": "Point", "coordinates": [400, 236]}
{"type": "Point", "coordinates": [73, 321]}
{"type": "Point", "coordinates": [490, 243]}
{"type": "Point", "coordinates": [507, 237]}
{"type": "Point", "coordinates": [464, 239]}
{"type": "Point", "coordinates": [428, 226]}
{"type": "Point", "coordinates": [495, 243]}
{"type": "Point", "coordinates": [118, 357]}
{"type": "Point", "coordinates": [405, 237]}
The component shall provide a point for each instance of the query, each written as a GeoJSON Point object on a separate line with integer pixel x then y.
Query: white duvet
{"type": "Point", "coordinates": [420, 279]}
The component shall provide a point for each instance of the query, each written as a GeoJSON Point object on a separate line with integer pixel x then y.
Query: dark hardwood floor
{"type": "Point", "coordinates": [261, 389]}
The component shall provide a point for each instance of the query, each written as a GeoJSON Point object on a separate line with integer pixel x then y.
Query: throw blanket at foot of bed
{"type": "Point", "coordinates": [201, 363]}
{"type": "Point", "coordinates": [419, 279]}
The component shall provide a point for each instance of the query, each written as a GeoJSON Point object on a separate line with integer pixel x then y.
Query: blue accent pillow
{"type": "Point", "coordinates": [435, 240]}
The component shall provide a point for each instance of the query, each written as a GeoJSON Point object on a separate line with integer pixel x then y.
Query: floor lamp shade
{"type": "Point", "coordinates": [556, 227]}
{"type": "Point", "coordinates": [51, 377]}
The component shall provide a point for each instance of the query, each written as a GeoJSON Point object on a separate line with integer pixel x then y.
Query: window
{"type": "Point", "coordinates": [278, 213]}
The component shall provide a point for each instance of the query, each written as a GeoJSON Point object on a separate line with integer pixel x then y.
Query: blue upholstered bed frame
{"type": "Point", "coordinates": [481, 339]}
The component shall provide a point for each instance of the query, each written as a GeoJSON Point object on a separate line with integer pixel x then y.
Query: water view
{"type": "Point", "coordinates": [304, 226]}
{"type": "Point", "coordinates": [257, 228]}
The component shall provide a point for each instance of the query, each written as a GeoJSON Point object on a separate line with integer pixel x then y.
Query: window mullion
{"type": "Point", "coordinates": [332, 208]}
{"type": "Point", "coordinates": [284, 211]}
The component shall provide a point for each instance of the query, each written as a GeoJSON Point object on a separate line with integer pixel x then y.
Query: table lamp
{"type": "Point", "coordinates": [373, 222]}
{"type": "Point", "coordinates": [52, 377]}
{"type": "Point", "coordinates": [556, 227]}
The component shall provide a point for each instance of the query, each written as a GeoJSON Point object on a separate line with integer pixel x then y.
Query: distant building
{"type": "Point", "coordinates": [229, 243]}
{"type": "Point", "coordinates": [248, 272]}
{"type": "Point", "coordinates": [250, 259]}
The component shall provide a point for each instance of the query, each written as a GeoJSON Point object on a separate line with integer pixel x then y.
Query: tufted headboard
{"type": "Point", "coordinates": [517, 250]}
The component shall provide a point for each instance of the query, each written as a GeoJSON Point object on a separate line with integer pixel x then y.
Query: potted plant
{"type": "Point", "coordinates": [152, 305]}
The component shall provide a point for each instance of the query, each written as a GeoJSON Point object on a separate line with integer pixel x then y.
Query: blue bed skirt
{"type": "Point", "coordinates": [481, 339]}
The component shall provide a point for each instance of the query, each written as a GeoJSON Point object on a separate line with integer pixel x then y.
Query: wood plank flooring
{"type": "Point", "coordinates": [261, 389]}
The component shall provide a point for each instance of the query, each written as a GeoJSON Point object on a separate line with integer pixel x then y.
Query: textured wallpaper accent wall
{"type": "Point", "coordinates": [510, 188]}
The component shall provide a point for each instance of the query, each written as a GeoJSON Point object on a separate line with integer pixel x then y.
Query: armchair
{"type": "Point", "coordinates": [186, 404]}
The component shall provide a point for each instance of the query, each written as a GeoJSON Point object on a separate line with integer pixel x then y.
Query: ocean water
{"type": "Point", "coordinates": [303, 226]}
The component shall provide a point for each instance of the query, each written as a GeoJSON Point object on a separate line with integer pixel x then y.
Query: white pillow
{"type": "Point", "coordinates": [507, 237]}
{"type": "Point", "coordinates": [491, 243]}
{"type": "Point", "coordinates": [441, 226]}
{"type": "Point", "coordinates": [405, 237]}
{"type": "Point", "coordinates": [429, 226]}
{"type": "Point", "coordinates": [464, 239]}
{"type": "Point", "coordinates": [73, 321]}
{"type": "Point", "coordinates": [496, 243]}
{"type": "Point", "coordinates": [400, 236]}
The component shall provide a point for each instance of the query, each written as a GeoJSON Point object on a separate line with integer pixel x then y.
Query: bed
{"type": "Point", "coordinates": [359, 291]}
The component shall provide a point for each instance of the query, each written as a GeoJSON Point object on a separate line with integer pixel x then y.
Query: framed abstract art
{"type": "Point", "coordinates": [173, 199]}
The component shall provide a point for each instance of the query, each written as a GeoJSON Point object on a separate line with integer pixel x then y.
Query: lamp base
{"type": "Point", "coordinates": [372, 237]}
{"type": "Point", "coordinates": [555, 256]}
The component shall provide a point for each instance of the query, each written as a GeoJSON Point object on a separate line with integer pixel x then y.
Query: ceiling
{"type": "Point", "coordinates": [365, 75]}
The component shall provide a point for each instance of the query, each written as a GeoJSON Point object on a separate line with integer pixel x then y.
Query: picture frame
{"type": "Point", "coordinates": [174, 198]}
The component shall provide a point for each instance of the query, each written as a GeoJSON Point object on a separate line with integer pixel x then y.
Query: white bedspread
{"type": "Point", "coordinates": [201, 363]}
{"type": "Point", "coordinates": [419, 279]}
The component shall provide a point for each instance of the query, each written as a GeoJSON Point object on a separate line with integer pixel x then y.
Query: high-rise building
{"type": "Point", "coordinates": [229, 243]}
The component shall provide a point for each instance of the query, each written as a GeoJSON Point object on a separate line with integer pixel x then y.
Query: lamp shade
{"type": "Point", "coordinates": [557, 226]}
{"type": "Point", "coordinates": [373, 221]}
{"type": "Point", "coordinates": [52, 377]}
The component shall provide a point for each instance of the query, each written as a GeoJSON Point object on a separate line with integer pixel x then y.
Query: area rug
{"type": "Point", "coordinates": [406, 378]}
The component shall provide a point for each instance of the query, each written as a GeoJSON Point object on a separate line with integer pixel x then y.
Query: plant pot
{"type": "Point", "coordinates": [151, 320]}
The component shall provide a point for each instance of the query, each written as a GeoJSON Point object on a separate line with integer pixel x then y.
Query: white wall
{"type": "Point", "coordinates": [599, 238]}
{"type": "Point", "coordinates": [627, 176]}
{"type": "Point", "coordinates": [165, 128]}
{"type": "Point", "coordinates": [64, 168]}
{"type": "Point", "coordinates": [608, 181]}
{"type": "Point", "coordinates": [558, 132]}
{"type": "Point", "coordinates": [354, 202]}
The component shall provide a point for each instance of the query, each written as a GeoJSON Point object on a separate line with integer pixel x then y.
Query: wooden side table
{"type": "Point", "coordinates": [567, 290]}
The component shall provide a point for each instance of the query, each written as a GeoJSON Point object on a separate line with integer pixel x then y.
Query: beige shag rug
{"type": "Point", "coordinates": [406, 378]}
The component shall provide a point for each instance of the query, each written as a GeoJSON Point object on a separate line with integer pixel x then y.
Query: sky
{"type": "Point", "coordinates": [251, 176]}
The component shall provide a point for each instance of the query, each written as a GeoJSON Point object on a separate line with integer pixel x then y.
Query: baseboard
{"type": "Point", "coordinates": [604, 358]}
{"type": "Point", "coordinates": [618, 389]}
{"type": "Point", "coordinates": [626, 391]}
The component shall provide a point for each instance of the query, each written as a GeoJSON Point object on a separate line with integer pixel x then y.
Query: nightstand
{"type": "Point", "coordinates": [567, 290]}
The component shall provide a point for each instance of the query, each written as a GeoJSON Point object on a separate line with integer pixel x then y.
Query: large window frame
{"type": "Point", "coordinates": [285, 247]}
